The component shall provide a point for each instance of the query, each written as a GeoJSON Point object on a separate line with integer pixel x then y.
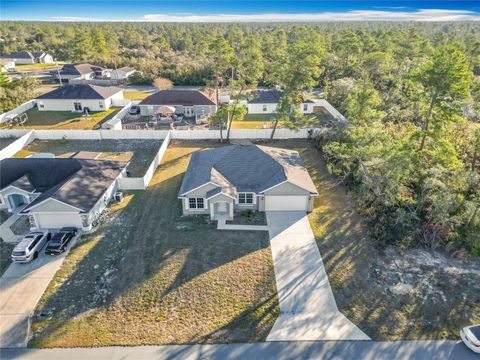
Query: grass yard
{"type": "Point", "coordinates": [151, 276]}
{"type": "Point", "coordinates": [136, 95]}
{"type": "Point", "coordinates": [140, 153]}
{"type": "Point", "coordinates": [5, 253]}
{"type": "Point", "coordinates": [389, 294]}
{"type": "Point", "coordinates": [4, 142]}
{"type": "Point", "coordinates": [35, 67]}
{"type": "Point", "coordinates": [65, 119]}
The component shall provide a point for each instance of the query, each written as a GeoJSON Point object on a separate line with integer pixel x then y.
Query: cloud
{"type": "Point", "coordinates": [355, 15]}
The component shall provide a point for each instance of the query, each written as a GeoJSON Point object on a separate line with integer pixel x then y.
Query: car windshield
{"type": "Point", "coordinates": [18, 253]}
{"type": "Point", "coordinates": [476, 331]}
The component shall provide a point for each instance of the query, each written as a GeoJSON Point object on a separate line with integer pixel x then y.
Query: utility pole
{"type": "Point", "coordinates": [58, 72]}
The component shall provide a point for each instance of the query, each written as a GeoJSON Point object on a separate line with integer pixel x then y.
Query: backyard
{"type": "Point", "coordinates": [136, 95]}
{"type": "Point", "coordinates": [389, 293]}
{"type": "Point", "coordinates": [64, 119]}
{"type": "Point", "coordinates": [152, 276]}
{"type": "Point", "coordinates": [4, 142]}
{"type": "Point", "coordinates": [140, 153]}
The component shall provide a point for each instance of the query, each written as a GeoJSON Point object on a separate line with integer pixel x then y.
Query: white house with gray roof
{"type": "Point", "coordinates": [220, 181]}
{"type": "Point", "coordinates": [79, 97]}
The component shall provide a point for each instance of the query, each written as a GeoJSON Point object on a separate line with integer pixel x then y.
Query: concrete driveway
{"type": "Point", "coordinates": [21, 287]}
{"type": "Point", "coordinates": [308, 310]}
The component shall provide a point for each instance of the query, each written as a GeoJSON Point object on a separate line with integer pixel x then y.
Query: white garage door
{"type": "Point", "coordinates": [285, 203]}
{"type": "Point", "coordinates": [57, 220]}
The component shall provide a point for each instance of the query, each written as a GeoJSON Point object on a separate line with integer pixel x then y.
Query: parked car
{"type": "Point", "coordinates": [134, 110]}
{"type": "Point", "coordinates": [31, 244]}
{"type": "Point", "coordinates": [471, 337]}
{"type": "Point", "coordinates": [60, 240]}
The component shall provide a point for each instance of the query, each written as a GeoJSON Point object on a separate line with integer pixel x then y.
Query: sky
{"type": "Point", "coordinates": [238, 10]}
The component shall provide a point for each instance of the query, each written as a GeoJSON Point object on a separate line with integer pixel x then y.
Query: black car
{"type": "Point", "coordinates": [134, 110]}
{"type": "Point", "coordinates": [60, 240]}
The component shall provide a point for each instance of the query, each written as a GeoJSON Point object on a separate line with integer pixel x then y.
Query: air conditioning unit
{"type": "Point", "coordinates": [118, 196]}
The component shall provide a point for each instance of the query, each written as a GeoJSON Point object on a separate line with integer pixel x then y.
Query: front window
{"type": "Point", "coordinates": [264, 107]}
{"type": "Point", "coordinates": [245, 198]}
{"type": "Point", "coordinates": [305, 107]}
{"type": "Point", "coordinates": [84, 221]}
{"type": "Point", "coordinates": [100, 104]}
{"type": "Point", "coordinates": [196, 203]}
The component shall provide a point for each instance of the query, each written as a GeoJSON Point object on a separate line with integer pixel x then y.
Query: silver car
{"type": "Point", "coordinates": [30, 246]}
{"type": "Point", "coordinates": [471, 337]}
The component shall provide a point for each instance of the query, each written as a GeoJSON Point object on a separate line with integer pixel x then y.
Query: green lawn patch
{"type": "Point", "coordinates": [5, 253]}
{"type": "Point", "coordinates": [65, 119]}
{"type": "Point", "coordinates": [153, 276]}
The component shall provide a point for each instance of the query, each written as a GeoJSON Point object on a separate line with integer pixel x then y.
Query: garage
{"type": "Point", "coordinates": [286, 203]}
{"type": "Point", "coordinates": [57, 220]}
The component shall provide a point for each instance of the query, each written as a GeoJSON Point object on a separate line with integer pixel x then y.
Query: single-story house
{"type": "Point", "coordinates": [266, 102]}
{"type": "Point", "coordinates": [122, 73]}
{"type": "Point", "coordinates": [78, 97]}
{"type": "Point", "coordinates": [191, 103]}
{"type": "Point", "coordinates": [27, 57]}
{"type": "Point", "coordinates": [245, 177]}
{"type": "Point", "coordinates": [81, 72]}
{"type": "Point", "coordinates": [59, 192]}
{"type": "Point", "coordinates": [6, 65]}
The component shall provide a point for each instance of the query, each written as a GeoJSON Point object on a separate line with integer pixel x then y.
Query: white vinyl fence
{"type": "Point", "coordinates": [17, 145]}
{"type": "Point", "coordinates": [141, 183]}
{"type": "Point", "coordinates": [17, 111]}
{"type": "Point", "coordinates": [115, 123]}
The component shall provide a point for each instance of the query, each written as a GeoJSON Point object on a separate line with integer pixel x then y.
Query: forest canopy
{"type": "Point", "coordinates": [410, 92]}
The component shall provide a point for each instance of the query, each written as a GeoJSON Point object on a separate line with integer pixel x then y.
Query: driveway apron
{"type": "Point", "coordinates": [308, 310]}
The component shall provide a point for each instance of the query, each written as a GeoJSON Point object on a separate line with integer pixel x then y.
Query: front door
{"type": "Point", "coordinates": [222, 207]}
{"type": "Point", "coordinates": [16, 200]}
{"type": "Point", "coordinates": [77, 106]}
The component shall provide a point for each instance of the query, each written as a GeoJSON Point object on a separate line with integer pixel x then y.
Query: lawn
{"type": "Point", "coordinates": [4, 142]}
{"type": "Point", "coordinates": [140, 153]}
{"type": "Point", "coordinates": [65, 119]}
{"type": "Point", "coordinates": [151, 276]}
{"type": "Point", "coordinates": [35, 67]}
{"type": "Point", "coordinates": [136, 95]}
{"type": "Point", "coordinates": [390, 294]}
{"type": "Point", "coordinates": [5, 253]}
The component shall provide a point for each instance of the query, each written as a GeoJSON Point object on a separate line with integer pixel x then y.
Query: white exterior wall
{"type": "Point", "coordinates": [23, 61]}
{"type": "Point", "coordinates": [67, 105]}
{"type": "Point", "coordinates": [258, 108]}
{"type": "Point", "coordinates": [147, 110]}
{"type": "Point", "coordinates": [48, 59]}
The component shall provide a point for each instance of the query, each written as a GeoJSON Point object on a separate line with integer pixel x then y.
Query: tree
{"type": "Point", "coordinates": [446, 80]}
{"type": "Point", "coordinates": [225, 114]}
{"type": "Point", "coordinates": [162, 83]}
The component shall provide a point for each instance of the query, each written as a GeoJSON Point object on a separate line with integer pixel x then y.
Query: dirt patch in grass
{"type": "Point", "coordinates": [139, 152]}
{"type": "Point", "coordinates": [5, 253]}
{"type": "Point", "coordinates": [152, 276]}
{"type": "Point", "coordinates": [389, 294]}
{"type": "Point", "coordinates": [21, 226]}
{"type": "Point", "coordinates": [136, 95]}
{"type": "Point", "coordinates": [249, 217]}
{"type": "Point", "coordinates": [64, 119]}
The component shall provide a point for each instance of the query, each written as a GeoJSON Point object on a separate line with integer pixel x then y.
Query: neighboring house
{"type": "Point", "coordinates": [27, 57]}
{"type": "Point", "coordinates": [59, 192]}
{"type": "Point", "coordinates": [76, 72]}
{"type": "Point", "coordinates": [122, 73]}
{"type": "Point", "coordinates": [78, 97]}
{"type": "Point", "coordinates": [266, 102]}
{"type": "Point", "coordinates": [245, 177]}
{"type": "Point", "coordinates": [191, 103]}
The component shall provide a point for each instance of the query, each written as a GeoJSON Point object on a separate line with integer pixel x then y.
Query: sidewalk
{"type": "Point", "coordinates": [308, 310]}
{"type": "Point", "coordinates": [6, 233]}
{"type": "Point", "coordinates": [222, 225]}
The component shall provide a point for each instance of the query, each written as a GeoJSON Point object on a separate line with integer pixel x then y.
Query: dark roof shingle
{"type": "Point", "coordinates": [178, 97]}
{"type": "Point", "coordinates": [83, 91]}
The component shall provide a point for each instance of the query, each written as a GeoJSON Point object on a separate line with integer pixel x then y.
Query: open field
{"type": "Point", "coordinates": [389, 294]}
{"type": "Point", "coordinates": [36, 67]}
{"type": "Point", "coordinates": [65, 119]}
{"type": "Point", "coordinates": [151, 276]}
{"type": "Point", "coordinates": [140, 153]}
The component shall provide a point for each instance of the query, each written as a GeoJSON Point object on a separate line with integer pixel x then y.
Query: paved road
{"type": "Point", "coordinates": [325, 350]}
{"type": "Point", "coordinates": [308, 310]}
{"type": "Point", "coordinates": [21, 287]}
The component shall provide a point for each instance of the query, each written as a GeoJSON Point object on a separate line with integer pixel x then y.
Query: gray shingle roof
{"type": "Point", "coordinates": [19, 55]}
{"type": "Point", "coordinates": [265, 97]}
{"type": "Point", "coordinates": [76, 182]}
{"type": "Point", "coordinates": [79, 69]}
{"type": "Point", "coordinates": [178, 97]}
{"type": "Point", "coordinates": [80, 92]}
{"type": "Point", "coordinates": [249, 168]}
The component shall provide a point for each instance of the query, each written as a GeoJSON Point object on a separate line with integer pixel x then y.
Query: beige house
{"type": "Point", "coordinates": [220, 181]}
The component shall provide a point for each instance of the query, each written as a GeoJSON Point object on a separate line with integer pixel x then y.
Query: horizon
{"type": "Point", "coordinates": [192, 11]}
